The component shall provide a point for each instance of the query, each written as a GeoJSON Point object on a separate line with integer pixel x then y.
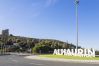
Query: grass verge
{"type": "Point", "coordinates": [70, 57]}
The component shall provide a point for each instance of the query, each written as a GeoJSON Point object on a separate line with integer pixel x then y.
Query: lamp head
{"type": "Point", "coordinates": [77, 1]}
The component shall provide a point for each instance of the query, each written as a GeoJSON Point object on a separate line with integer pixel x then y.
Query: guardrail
{"type": "Point", "coordinates": [21, 54]}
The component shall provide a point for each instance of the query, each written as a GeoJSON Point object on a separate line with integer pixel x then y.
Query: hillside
{"type": "Point", "coordinates": [24, 44]}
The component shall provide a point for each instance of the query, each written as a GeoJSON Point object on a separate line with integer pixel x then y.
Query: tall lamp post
{"type": "Point", "coordinates": [77, 3]}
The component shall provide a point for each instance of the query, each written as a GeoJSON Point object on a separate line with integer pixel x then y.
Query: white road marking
{"type": "Point", "coordinates": [10, 58]}
{"type": "Point", "coordinates": [36, 64]}
{"type": "Point", "coordinates": [13, 55]}
{"type": "Point", "coordinates": [15, 61]}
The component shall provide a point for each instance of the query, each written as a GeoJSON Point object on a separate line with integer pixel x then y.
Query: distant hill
{"type": "Point", "coordinates": [19, 43]}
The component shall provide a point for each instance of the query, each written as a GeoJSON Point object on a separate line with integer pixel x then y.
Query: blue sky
{"type": "Point", "coordinates": [52, 19]}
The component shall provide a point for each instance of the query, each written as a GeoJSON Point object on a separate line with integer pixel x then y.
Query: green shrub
{"type": "Point", "coordinates": [42, 49]}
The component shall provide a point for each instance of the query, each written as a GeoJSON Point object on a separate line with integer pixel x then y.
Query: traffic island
{"type": "Point", "coordinates": [69, 57]}
{"type": "Point", "coordinates": [60, 58]}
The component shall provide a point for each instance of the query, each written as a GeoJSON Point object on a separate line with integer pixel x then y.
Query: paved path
{"type": "Point", "coordinates": [14, 60]}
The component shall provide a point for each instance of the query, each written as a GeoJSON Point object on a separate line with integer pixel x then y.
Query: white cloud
{"type": "Point", "coordinates": [44, 3]}
{"type": "Point", "coordinates": [50, 2]}
{"type": "Point", "coordinates": [41, 5]}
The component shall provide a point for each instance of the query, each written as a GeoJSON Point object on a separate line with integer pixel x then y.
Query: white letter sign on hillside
{"type": "Point", "coordinates": [75, 52]}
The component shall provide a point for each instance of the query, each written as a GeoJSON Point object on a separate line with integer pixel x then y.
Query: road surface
{"type": "Point", "coordinates": [14, 60]}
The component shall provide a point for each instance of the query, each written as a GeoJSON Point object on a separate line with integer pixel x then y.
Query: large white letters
{"type": "Point", "coordinates": [75, 52]}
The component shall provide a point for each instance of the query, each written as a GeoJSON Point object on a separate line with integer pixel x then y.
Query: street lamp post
{"type": "Point", "coordinates": [77, 3]}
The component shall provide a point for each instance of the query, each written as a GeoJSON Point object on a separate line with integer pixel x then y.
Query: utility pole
{"type": "Point", "coordinates": [77, 3]}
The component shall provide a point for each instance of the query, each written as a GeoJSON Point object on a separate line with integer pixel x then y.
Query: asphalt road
{"type": "Point", "coordinates": [13, 60]}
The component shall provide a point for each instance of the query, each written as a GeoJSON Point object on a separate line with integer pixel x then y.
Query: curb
{"type": "Point", "coordinates": [63, 60]}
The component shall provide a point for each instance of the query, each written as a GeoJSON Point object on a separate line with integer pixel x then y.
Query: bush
{"type": "Point", "coordinates": [42, 49]}
{"type": "Point", "coordinates": [36, 49]}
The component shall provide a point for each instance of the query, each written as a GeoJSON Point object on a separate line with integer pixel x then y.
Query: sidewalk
{"type": "Point", "coordinates": [63, 60]}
